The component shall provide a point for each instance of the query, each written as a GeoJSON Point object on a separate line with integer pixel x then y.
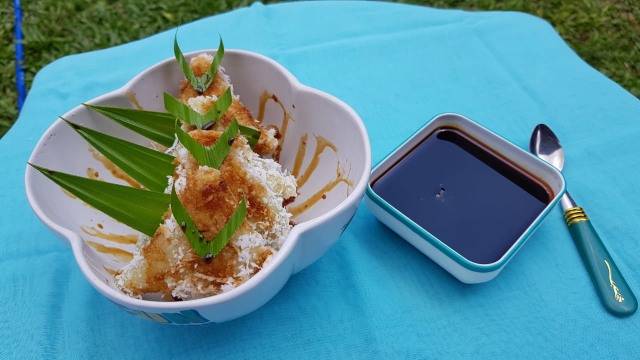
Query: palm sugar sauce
{"type": "Point", "coordinates": [470, 198]}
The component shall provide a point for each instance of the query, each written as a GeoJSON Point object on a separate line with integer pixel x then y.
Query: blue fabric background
{"type": "Point", "coordinates": [372, 295]}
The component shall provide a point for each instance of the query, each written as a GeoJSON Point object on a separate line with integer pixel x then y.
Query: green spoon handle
{"type": "Point", "coordinates": [613, 290]}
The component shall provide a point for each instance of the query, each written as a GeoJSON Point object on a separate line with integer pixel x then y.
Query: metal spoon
{"type": "Point", "coordinates": [613, 290]}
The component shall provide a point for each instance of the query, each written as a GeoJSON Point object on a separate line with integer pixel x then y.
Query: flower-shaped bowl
{"type": "Point", "coordinates": [321, 135]}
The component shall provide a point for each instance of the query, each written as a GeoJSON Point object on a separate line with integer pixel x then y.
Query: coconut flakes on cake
{"type": "Point", "coordinates": [166, 263]}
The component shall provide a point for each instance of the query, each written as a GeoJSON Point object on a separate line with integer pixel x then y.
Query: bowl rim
{"type": "Point", "coordinates": [289, 244]}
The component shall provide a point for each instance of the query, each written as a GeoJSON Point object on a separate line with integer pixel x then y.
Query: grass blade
{"type": "Point", "coordinates": [147, 166]}
{"type": "Point", "coordinates": [153, 125]}
{"type": "Point", "coordinates": [142, 210]}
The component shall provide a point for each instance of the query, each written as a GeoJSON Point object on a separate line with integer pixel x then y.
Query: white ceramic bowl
{"type": "Point", "coordinates": [311, 112]}
{"type": "Point", "coordinates": [473, 225]}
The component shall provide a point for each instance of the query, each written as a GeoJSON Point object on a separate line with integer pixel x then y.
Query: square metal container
{"type": "Point", "coordinates": [466, 267]}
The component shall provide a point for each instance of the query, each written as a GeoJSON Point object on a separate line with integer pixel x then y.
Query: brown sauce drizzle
{"type": "Point", "coordinates": [110, 271]}
{"type": "Point", "coordinates": [302, 149]}
{"type": "Point", "coordinates": [130, 239]}
{"type": "Point", "coordinates": [264, 97]}
{"type": "Point", "coordinates": [321, 144]}
{"type": "Point", "coordinates": [317, 196]}
{"type": "Point", "coordinates": [302, 176]}
{"type": "Point", "coordinates": [134, 100]}
{"type": "Point", "coordinates": [115, 171]}
{"type": "Point", "coordinates": [93, 174]}
{"type": "Point", "coordinates": [121, 254]}
{"type": "Point", "coordinates": [69, 194]}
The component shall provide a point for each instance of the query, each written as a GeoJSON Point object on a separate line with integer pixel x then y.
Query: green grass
{"type": "Point", "coordinates": [605, 33]}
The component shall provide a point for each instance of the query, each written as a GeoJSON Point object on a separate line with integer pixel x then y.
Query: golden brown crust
{"type": "Point", "coordinates": [210, 198]}
{"type": "Point", "coordinates": [167, 264]}
{"type": "Point", "coordinates": [244, 117]}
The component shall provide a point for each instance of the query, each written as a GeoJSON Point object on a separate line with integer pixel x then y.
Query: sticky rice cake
{"type": "Point", "coordinates": [166, 263]}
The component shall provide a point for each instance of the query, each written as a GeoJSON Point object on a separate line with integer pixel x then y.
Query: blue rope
{"type": "Point", "coordinates": [20, 82]}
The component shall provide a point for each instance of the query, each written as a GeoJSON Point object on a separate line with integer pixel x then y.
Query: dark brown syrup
{"type": "Point", "coordinates": [467, 196]}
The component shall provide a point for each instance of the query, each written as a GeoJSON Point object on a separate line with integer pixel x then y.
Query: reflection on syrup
{"type": "Point", "coordinates": [115, 171]}
{"type": "Point", "coordinates": [321, 144]}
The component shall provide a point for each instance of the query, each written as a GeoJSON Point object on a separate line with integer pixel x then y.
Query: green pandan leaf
{"type": "Point", "coordinates": [183, 112]}
{"type": "Point", "coordinates": [186, 69]}
{"type": "Point", "coordinates": [207, 249]}
{"type": "Point", "coordinates": [213, 155]}
{"type": "Point", "coordinates": [252, 135]}
{"type": "Point", "coordinates": [149, 167]}
{"type": "Point", "coordinates": [153, 125]}
{"type": "Point", "coordinates": [199, 83]}
{"type": "Point", "coordinates": [142, 210]}
{"type": "Point", "coordinates": [210, 75]}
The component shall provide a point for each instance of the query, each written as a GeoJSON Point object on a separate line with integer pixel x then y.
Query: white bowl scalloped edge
{"type": "Point", "coordinates": [311, 112]}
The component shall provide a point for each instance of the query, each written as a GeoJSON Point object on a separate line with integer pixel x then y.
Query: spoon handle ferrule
{"type": "Point", "coordinates": [567, 202]}
{"type": "Point", "coordinates": [613, 291]}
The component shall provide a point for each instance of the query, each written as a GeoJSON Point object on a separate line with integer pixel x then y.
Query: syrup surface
{"type": "Point", "coordinates": [470, 198]}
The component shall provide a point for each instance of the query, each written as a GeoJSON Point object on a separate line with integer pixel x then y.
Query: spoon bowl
{"type": "Point", "coordinates": [546, 146]}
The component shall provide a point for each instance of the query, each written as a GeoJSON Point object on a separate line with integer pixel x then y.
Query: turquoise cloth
{"type": "Point", "coordinates": [372, 295]}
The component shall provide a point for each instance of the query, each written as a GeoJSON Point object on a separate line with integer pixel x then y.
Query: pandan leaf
{"type": "Point", "coordinates": [252, 135]}
{"type": "Point", "coordinates": [199, 83]}
{"type": "Point", "coordinates": [207, 249]}
{"type": "Point", "coordinates": [186, 69]}
{"type": "Point", "coordinates": [156, 126]}
{"type": "Point", "coordinates": [142, 210]}
{"type": "Point", "coordinates": [223, 103]}
{"type": "Point", "coordinates": [213, 155]}
{"type": "Point", "coordinates": [210, 75]}
{"type": "Point", "coordinates": [183, 112]}
{"type": "Point", "coordinates": [149, 167]}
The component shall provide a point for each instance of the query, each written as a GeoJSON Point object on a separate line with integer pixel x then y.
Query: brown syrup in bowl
{"type": "Point", "coordinates": [470, 198]}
